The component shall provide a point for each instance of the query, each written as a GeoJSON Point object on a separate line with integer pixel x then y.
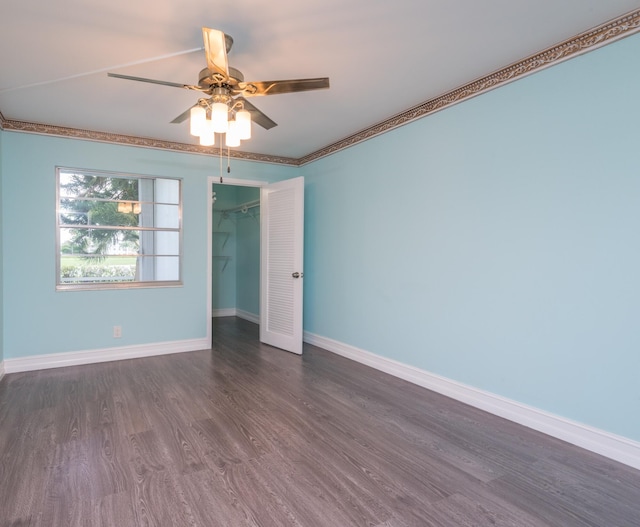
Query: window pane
{"type": "Point", "coordinates": [168, 191]}
{"type": "Point", "coordinates": [168, 216]}
{"type": "Point", "coordinates": [97, 243]}
{"type": "Point", "coordinates": [167, 243]}
{"type": "Point", "coordinates": [101, 187]}
{"type": "Point", "coordinates": [100, 213]}
{"type": "Point", "coordinates": [167, 267]}
{"type": "Point", "coordinates": [86, 270]}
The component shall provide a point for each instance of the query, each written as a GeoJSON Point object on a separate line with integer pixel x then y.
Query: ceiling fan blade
{"type": "Point", "coordinates": [254, 89]}
{"type": "Point", "coordinates": [153, 81]}
{"type": "Point", "coordinates": [183, 116]}
{"type": "Point", "coordinates": [256, 115]}
{"type": "Point", "coordinates": [215, 47]}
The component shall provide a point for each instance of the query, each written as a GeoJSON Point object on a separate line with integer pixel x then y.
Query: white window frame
{"type": "Point", "coordinates": [145, 228]}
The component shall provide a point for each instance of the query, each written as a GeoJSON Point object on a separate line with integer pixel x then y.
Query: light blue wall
{"type": "Point", "coordinates": [39, 320]}
{"type": "Point", "coordinates": [496, 242]}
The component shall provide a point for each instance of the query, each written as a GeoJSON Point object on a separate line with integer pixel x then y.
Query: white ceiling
{"type": "Point", "coordinates": [382, 58]}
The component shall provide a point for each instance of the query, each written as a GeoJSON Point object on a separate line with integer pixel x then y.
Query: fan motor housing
{"type": "Point", "coordinates": [205, 79]}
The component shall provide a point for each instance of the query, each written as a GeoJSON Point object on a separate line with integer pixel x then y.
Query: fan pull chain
{"type": "Point", "coordinates": [220, 157]}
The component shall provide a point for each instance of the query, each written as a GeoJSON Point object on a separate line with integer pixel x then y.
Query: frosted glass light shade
{"type": "Point", "coordinates": [232, 138]}
{"type": "Point", "coordinates": [243, 118]}
{"type": "Point", "coordinates": [208, 137]}
{"type": "Point", "coordinates": [207, 127]}
{"type": "Point", "coordinates": [219, 119]}
{"type": "Point", "coordinates": [198, 116]}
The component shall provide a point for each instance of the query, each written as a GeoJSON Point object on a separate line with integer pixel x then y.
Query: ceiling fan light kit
{"type": "Point", "coordinates": [208, 119]}
{"type": "Point", "coordinates": [227, 111]}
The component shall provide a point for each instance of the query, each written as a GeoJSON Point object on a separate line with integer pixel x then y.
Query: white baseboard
{"type": "Point", "coordinates": [1, 370]}
{"type": "Point", "coordinates": [227, 312]}
{"type": "Point", "coordinates": [234, 312]}
{"type": "Point", "coordinates": [599, 441]}
{"type": "Point", "coordinates": [251, 317]}
{"type": "Point", "coordinates": [74, 358]}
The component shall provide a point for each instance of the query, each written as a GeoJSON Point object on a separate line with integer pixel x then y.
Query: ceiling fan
{"type": "Point", "coordinates": [224, 85]}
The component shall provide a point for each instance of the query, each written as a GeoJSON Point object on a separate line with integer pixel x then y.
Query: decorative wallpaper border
{"type": "Point", "coordinates": [106, 137]}
{"type": "Point", "coordinates": [606, 33]}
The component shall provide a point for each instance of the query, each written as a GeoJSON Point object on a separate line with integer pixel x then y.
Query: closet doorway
{"type": "Point", "coordinates": [235, 254]}
{"type": "Point", "coordinates": [256, 257]}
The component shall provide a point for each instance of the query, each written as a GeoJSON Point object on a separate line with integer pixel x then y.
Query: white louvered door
{"type": "Point", "coordinates": [281, 254]}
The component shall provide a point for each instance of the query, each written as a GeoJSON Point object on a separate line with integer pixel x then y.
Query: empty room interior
{"type": "Point", "coordinates": [399, 286]}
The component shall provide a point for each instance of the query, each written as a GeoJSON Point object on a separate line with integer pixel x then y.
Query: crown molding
{"type": "Point", "coordinates": [606, 33]}
{"type": "Point", "coordinates": [590, 40]}
{"type": "Point", "coordinates": [106, 137]}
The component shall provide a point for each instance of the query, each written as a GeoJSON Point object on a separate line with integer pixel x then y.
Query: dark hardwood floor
{"type": "Point", "coordinates": [245, 434]}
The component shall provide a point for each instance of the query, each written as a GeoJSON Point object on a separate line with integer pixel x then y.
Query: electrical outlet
{"type": "Point", "coordinates": [117, 332]}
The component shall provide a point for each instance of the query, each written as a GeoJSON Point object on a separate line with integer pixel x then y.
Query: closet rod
{"type": "Point", "coordinates": [244, 207]}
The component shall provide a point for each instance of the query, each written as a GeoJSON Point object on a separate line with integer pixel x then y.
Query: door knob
{"type": "Point", "coordinates": [297, 274]}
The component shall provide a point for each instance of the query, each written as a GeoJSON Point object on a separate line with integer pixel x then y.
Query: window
{"type": "Point", "coordinates": [117, 230]}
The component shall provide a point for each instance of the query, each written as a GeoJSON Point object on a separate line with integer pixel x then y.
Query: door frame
{"type": "Point", "coordinates": [215, 180]}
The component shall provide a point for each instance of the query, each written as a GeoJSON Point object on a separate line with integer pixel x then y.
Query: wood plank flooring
{"type": "Point", "coordinates": [247, 435]}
